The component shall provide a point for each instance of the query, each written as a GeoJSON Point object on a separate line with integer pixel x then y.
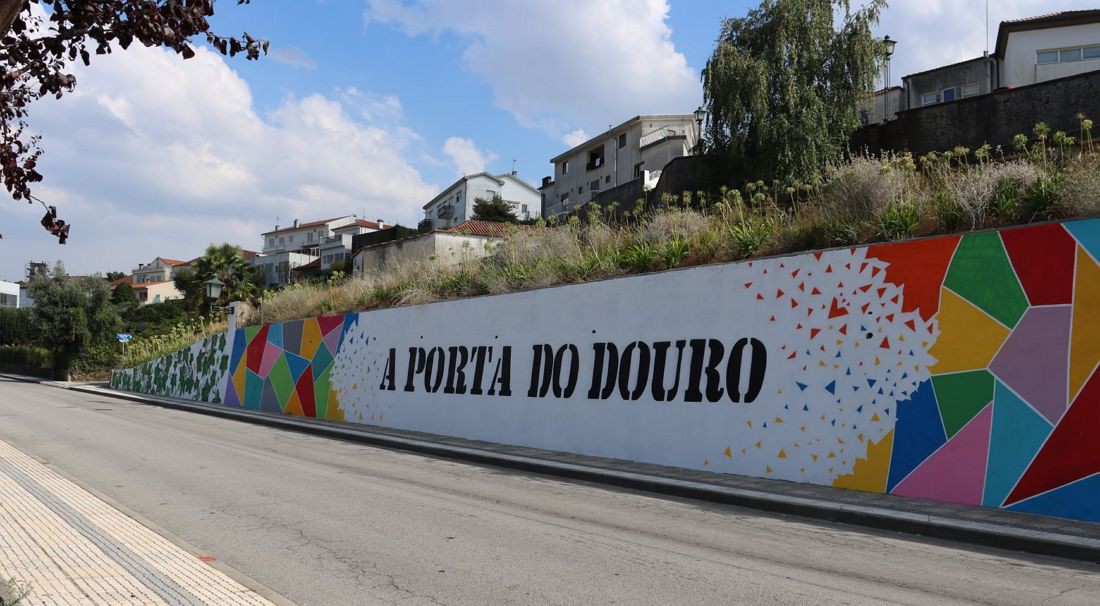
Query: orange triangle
{"type": "Point", "coordinates": [294, 405]}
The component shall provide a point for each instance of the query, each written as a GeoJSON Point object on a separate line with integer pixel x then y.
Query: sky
{"type": "Point", "coordinates": [371, 107]}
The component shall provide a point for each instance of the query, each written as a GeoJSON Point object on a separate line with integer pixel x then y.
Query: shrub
{"type": "Point", "coordinates": [862, 187]}
{"type": "Point", "coordinates": [1081, 189]}
{"type": "Point", "coordinates": [899, 221]}
{"type": "Point", "coordinates": [17, 326]}
{"type": "Point", "coordinates": [26, 356]}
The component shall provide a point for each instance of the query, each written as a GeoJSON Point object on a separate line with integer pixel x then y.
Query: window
{"type": "Point", "coordinates": [565, 167]}
{"type": "Point", "coordinates": [639, 169]}
{"type": "Point", "coordinates": [271, 241]}
{"type": "Point", "coordinates": [969, 90]}
{"type": "Point", "coordinates": [1067, 55]}
{"type": "Point", "coordinates": [291, 237]}
{"type": "Point", "coordinates": [1090, 52]}
{"type": "Point", "coordinates": [7, 300]}
{"type": "Point", "coordinates": [524, 209]}
{"type": "Point", "coordinates": [565, 198]}
{"type": "Point", "coordinates": [930, 99]}
{"type": "Point", "coordinates": [607, 179]}
{"type": "Point", "coordinates": [864, 117]}
{"type": "Point", "coordinates": [595, 185]}
{"type": "Point", "coordinates": [1071, 54]}
{"type": "Point", "coordinates": [282, 240]}
{"type": "Point", "coordinates": [1047, 57]}
{"type": "Point", "coordinates": [580, 189]}
{"type": "Point", "coordinates": [622, 140]}
{"type": "Point", "coordinates": [595, 158]}
{"type": "Point", "coordinates": [309, 237]}
{"type": "Point", "coordinates": [948, 95]}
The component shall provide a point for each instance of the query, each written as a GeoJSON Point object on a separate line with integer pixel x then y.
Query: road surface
{"type": "Point", "coordinates": [326, 522]}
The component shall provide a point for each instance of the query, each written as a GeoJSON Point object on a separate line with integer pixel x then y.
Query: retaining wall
{"type": "Point", "coordinates": [958, 368]}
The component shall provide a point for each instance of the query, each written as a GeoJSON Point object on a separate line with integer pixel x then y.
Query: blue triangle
{"type": "Point", "coordinates": [831, 387]}
{"type": "Point", "coordinates": [806, 408]}
{"type": "Point", "coordinates": [871, 382]}
{"type": "Point", "coordinates": [801, 386]}
{"type": "Point", "coordinates": [1087, 233]}
{"type": "Point", "coordinates": [918, 432]}
{"type": "Point", "coordinates": [1079, 500]}
{"type": "Point", "coordinates": [1018, 432]}
{"type": "Point", "coordinates": [297, 365]}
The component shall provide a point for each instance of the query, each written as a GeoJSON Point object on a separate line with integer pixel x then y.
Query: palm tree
{"type": "Point", "coordinates": [227, 263]}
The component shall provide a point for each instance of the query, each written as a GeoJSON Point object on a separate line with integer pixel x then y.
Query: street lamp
{"type": "Point", "coordinates": [700, 114]}
{"type": "Point", "coordinates": [213, 292]}
{"type": "Point", "coordinates": [889, 45]}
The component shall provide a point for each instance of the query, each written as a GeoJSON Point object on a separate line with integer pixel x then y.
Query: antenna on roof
{"type": "Point", "coordinates": [987, 28]}
{"type": "Point", "coordinates": [276, 221]}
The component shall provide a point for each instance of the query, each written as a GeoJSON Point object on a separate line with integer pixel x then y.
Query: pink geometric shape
{"type": "Point", "coordinates": [956, 472]}
{"type": "Point", "coordinates": [271, 356]}
{"type": "Point", "coordinates": [1034, 361]}
{"type": "Point", "coordinates": [332, 340]}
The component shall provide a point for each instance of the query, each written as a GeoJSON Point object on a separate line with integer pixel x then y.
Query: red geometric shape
{"type": "Point", "coordinates": [304, 389]}
{"type": "Point", "coordinates": [835, 311]}
{"type": "Point", "coordinates": [328, 323]}
{"type": "Point", "coordinates": [254, 353]}
{"type": "Point", "coordinates": [1043, 257]}
{"type": "Point", "coordinates": [813, 332]}
{"type": "Point", "coordinates": [778, 293]}
{"type": "Point", "coordinates": [919, 266]}
{"type": "Point", "coordinates": [1070, 453]}
{"type": "Point", "coordinates": [885, 343]}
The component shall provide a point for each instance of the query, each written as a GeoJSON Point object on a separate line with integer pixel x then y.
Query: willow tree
{"type": "Point", "coordinates": [783, 85]}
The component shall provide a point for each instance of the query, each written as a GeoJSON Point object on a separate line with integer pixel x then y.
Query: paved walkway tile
{"type": "Point", "coordinates": [75, 549]}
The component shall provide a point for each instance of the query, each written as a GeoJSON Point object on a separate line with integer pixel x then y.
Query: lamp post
{"type": "Point", "coordinates": [700, 114]}
{"type": "Point", "coordinates": [889, 45]}
{"type": "Point", "coordinates": [213, 290]}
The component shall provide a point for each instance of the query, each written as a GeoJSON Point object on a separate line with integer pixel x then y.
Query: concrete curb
{"type": "Point", "coordinates": [941, 527]}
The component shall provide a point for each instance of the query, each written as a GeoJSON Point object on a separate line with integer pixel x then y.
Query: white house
{"type": "Point", "coordinates": [1048, 47]}
{"type": "Point", "coordinates": [337, 247]}
{"type": "Point", "coordinates": [287, 248]}
{"type": "Point", "coordinates": [455, 205]}
{"type": "Point", "coordinates": [9, 294]}
{"type": "Point", "coordinates": [641, 145]}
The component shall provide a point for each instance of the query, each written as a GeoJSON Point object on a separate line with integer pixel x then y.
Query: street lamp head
{"type": "Point", "coordinates": [214, 288]}
{"type": "Point", "coordinates": [700, 114]}
{"type": "Point", "coordinates": [889, 45]}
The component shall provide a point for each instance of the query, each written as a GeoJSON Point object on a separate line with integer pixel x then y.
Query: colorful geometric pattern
{"type": "Point", "coordinates": [959, 368]}
{"type": "Point", "coordinates": [286, 368]}
{"type": "Point", "coordinates": [1012, 415]}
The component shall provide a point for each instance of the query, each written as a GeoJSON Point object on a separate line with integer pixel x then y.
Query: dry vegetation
{"type": "Point", "coordinates": [860, 201]}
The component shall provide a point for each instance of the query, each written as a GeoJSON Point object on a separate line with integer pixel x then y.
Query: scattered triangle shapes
{"type": "Point", "coordinates": [297, 365]}
{"type": "Point", "coordinates": [956, 472]}
{"type": "Point", "coordinates": [918, 432]}
{"type": "Point", "coordinates": [980, 273]}
{"type": "Point", "coordinates": [919, 268]}
{"type": "Point", "coordinates": [1033, 360]}
{"type": "Point", "coordinates": [271, 355]}
{"type": "Point", "coordinates": [311, 338]}
{"type": "Point", "coordinates": [968, 338]}
{"type": "Point", "coordinates": [1042, 256]}
{"type": "Point", "coordinates": [1085, 333]}
{"type": "Point", "coordinates": [281, 378]}
{"type": "Point", "coordinates": [961, 396]}
{"type": "Point", "coordinates": [1018, 432]}
{"type": "Point", "coordinates": [1087, 233]}
{"type": "Point", "coordinates": [332, 340]}
{"type": "Point", "coordinates": [349, 321]}
{"type": "Point", "coordinates": [1070, 453]}
{"type": "Point", "coordinates": [328, 323]}
{"type": "Point", "coordinates": [304, 389]}
{"type": "Point", "coordinates": [270, 400]}
{"type": "Point", "coordinates": [870, 474]}
{"type": "Point", "coordinates": [1079, 500]}
{"type": "Point", "coordinates": [294, 406]}
{"type": "Point", "coordinates": [253, 390]}
{"type": "Point", "coordinates": [275, 335]}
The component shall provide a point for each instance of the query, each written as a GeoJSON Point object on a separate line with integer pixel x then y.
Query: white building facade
{"type": "Point", "coordinates": [636, 149]}
{"type": "Point", "coordinates": [1048, 47]}
{"type": "Point", "coordinates": [9, 294]}
{"type": "Point", "coordinates": [455, 205]}
{"type": "Point", "coordinates": [337, 247]}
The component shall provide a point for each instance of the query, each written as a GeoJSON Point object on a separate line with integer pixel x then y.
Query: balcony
{"type": "Point", "coordinates": [660, 136]}
{"type": "Point", "coordinates": [446, 211]}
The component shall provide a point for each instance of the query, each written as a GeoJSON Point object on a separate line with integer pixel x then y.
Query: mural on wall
{"type": "Point", "coordinates": [192, 373]}
{"type": "Point", "coordinates": [959, 368]}
{"type": "Point", "coordinates": [286, 368]}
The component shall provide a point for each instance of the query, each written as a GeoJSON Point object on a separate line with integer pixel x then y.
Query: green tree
{"type": "Point", "coordinates": [783, 85]}
{"type": "Point", "coordinates": [125, 298]}
{"type": "Point", "coordinates": [71, 313]}
{"type": "Point", "coordinates": [229, 265]}
{"type": "Point", "coordinates": [495, 209]}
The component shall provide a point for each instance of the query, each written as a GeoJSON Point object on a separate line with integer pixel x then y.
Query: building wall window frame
{"type": "Point", "coordinates": [1067, 55]}
{"type": "Point", "coordinates": [948, 94]}
{"type": "Point", "coordinates": [930, 98]}
{"type": "Point", "coordinates": [969, 90]}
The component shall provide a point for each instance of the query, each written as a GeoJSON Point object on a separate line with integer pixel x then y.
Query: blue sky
{"type": "Point", "coordinates": [372, 106]}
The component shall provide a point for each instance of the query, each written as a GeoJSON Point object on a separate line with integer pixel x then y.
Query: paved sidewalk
{"type": "Point", "coordinates": [75, 549]}
{"type": "Point", "coordinates": [979, 525]}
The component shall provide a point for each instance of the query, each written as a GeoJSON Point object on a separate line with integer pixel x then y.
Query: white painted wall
{"type": "Point", "coordinates": [10, 290]}
{"type": "Point", "coordinates": [446, 249]}
{"type": "Point", "coordinates": [1019, 67]}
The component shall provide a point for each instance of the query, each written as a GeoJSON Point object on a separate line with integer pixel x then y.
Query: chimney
{"type": "Point", "coordinates": [546, 181]}
{"type": "Point", "coordinates": [295, 223]}
{"type": "Point", "coordinates": [513, 173]}
{"type": "Point", "coordinates": [380, 223]}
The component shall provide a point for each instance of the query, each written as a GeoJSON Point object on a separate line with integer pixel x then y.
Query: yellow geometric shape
{"type": "Point", "coordinates": [782, 455]}
{"type": "Point", "coordinates": [334, 412]}
{"type": "Point", "coordinates": [311, 338]}
{"type": "Point", "coordinates": [294, 406]}
{"type": "Point", "coordinates": [1085, 336]}
{"type": "Point", "coordinates": [728, 453]}
{"type": "Point", "coordinates": [968, 337]}
{"type": "Point", "coordinates": [238, 379]}
{"type": "Point", "coordinates": [870, 474]}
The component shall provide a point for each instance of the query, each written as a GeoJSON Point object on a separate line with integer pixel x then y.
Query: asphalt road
{"type": "Point", "coordinates": [325, 522]}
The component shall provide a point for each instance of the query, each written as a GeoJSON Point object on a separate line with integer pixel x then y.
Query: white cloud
{"type": "Point", "coordinates": [575, 138]}
{"type": "Point", "coordinates": [292, 56]}
{"type": "Point", "coordinates": [153, 155]}
{"type": "Point", "coordinates": [561, 65]}
{"type": "Point", "coordinates": [931, 33]}
{"type": "Point", "coordinates": [467, 158]}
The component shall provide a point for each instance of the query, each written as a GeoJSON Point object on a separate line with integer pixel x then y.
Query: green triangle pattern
{"type": "Point", "coordinates": [961, 396]}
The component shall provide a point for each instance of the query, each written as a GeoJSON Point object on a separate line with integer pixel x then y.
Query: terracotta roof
{"type": "Point", "coordinates": [171, 262]}
{"type": "Point", "coordinates": [304, 225]}
{"type": "Point", "coordinates": [123, 280]}
{"type": "Point", "coordinates": [1059, 19]}
{"type": "Point", "coordinates": [489, 229]}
